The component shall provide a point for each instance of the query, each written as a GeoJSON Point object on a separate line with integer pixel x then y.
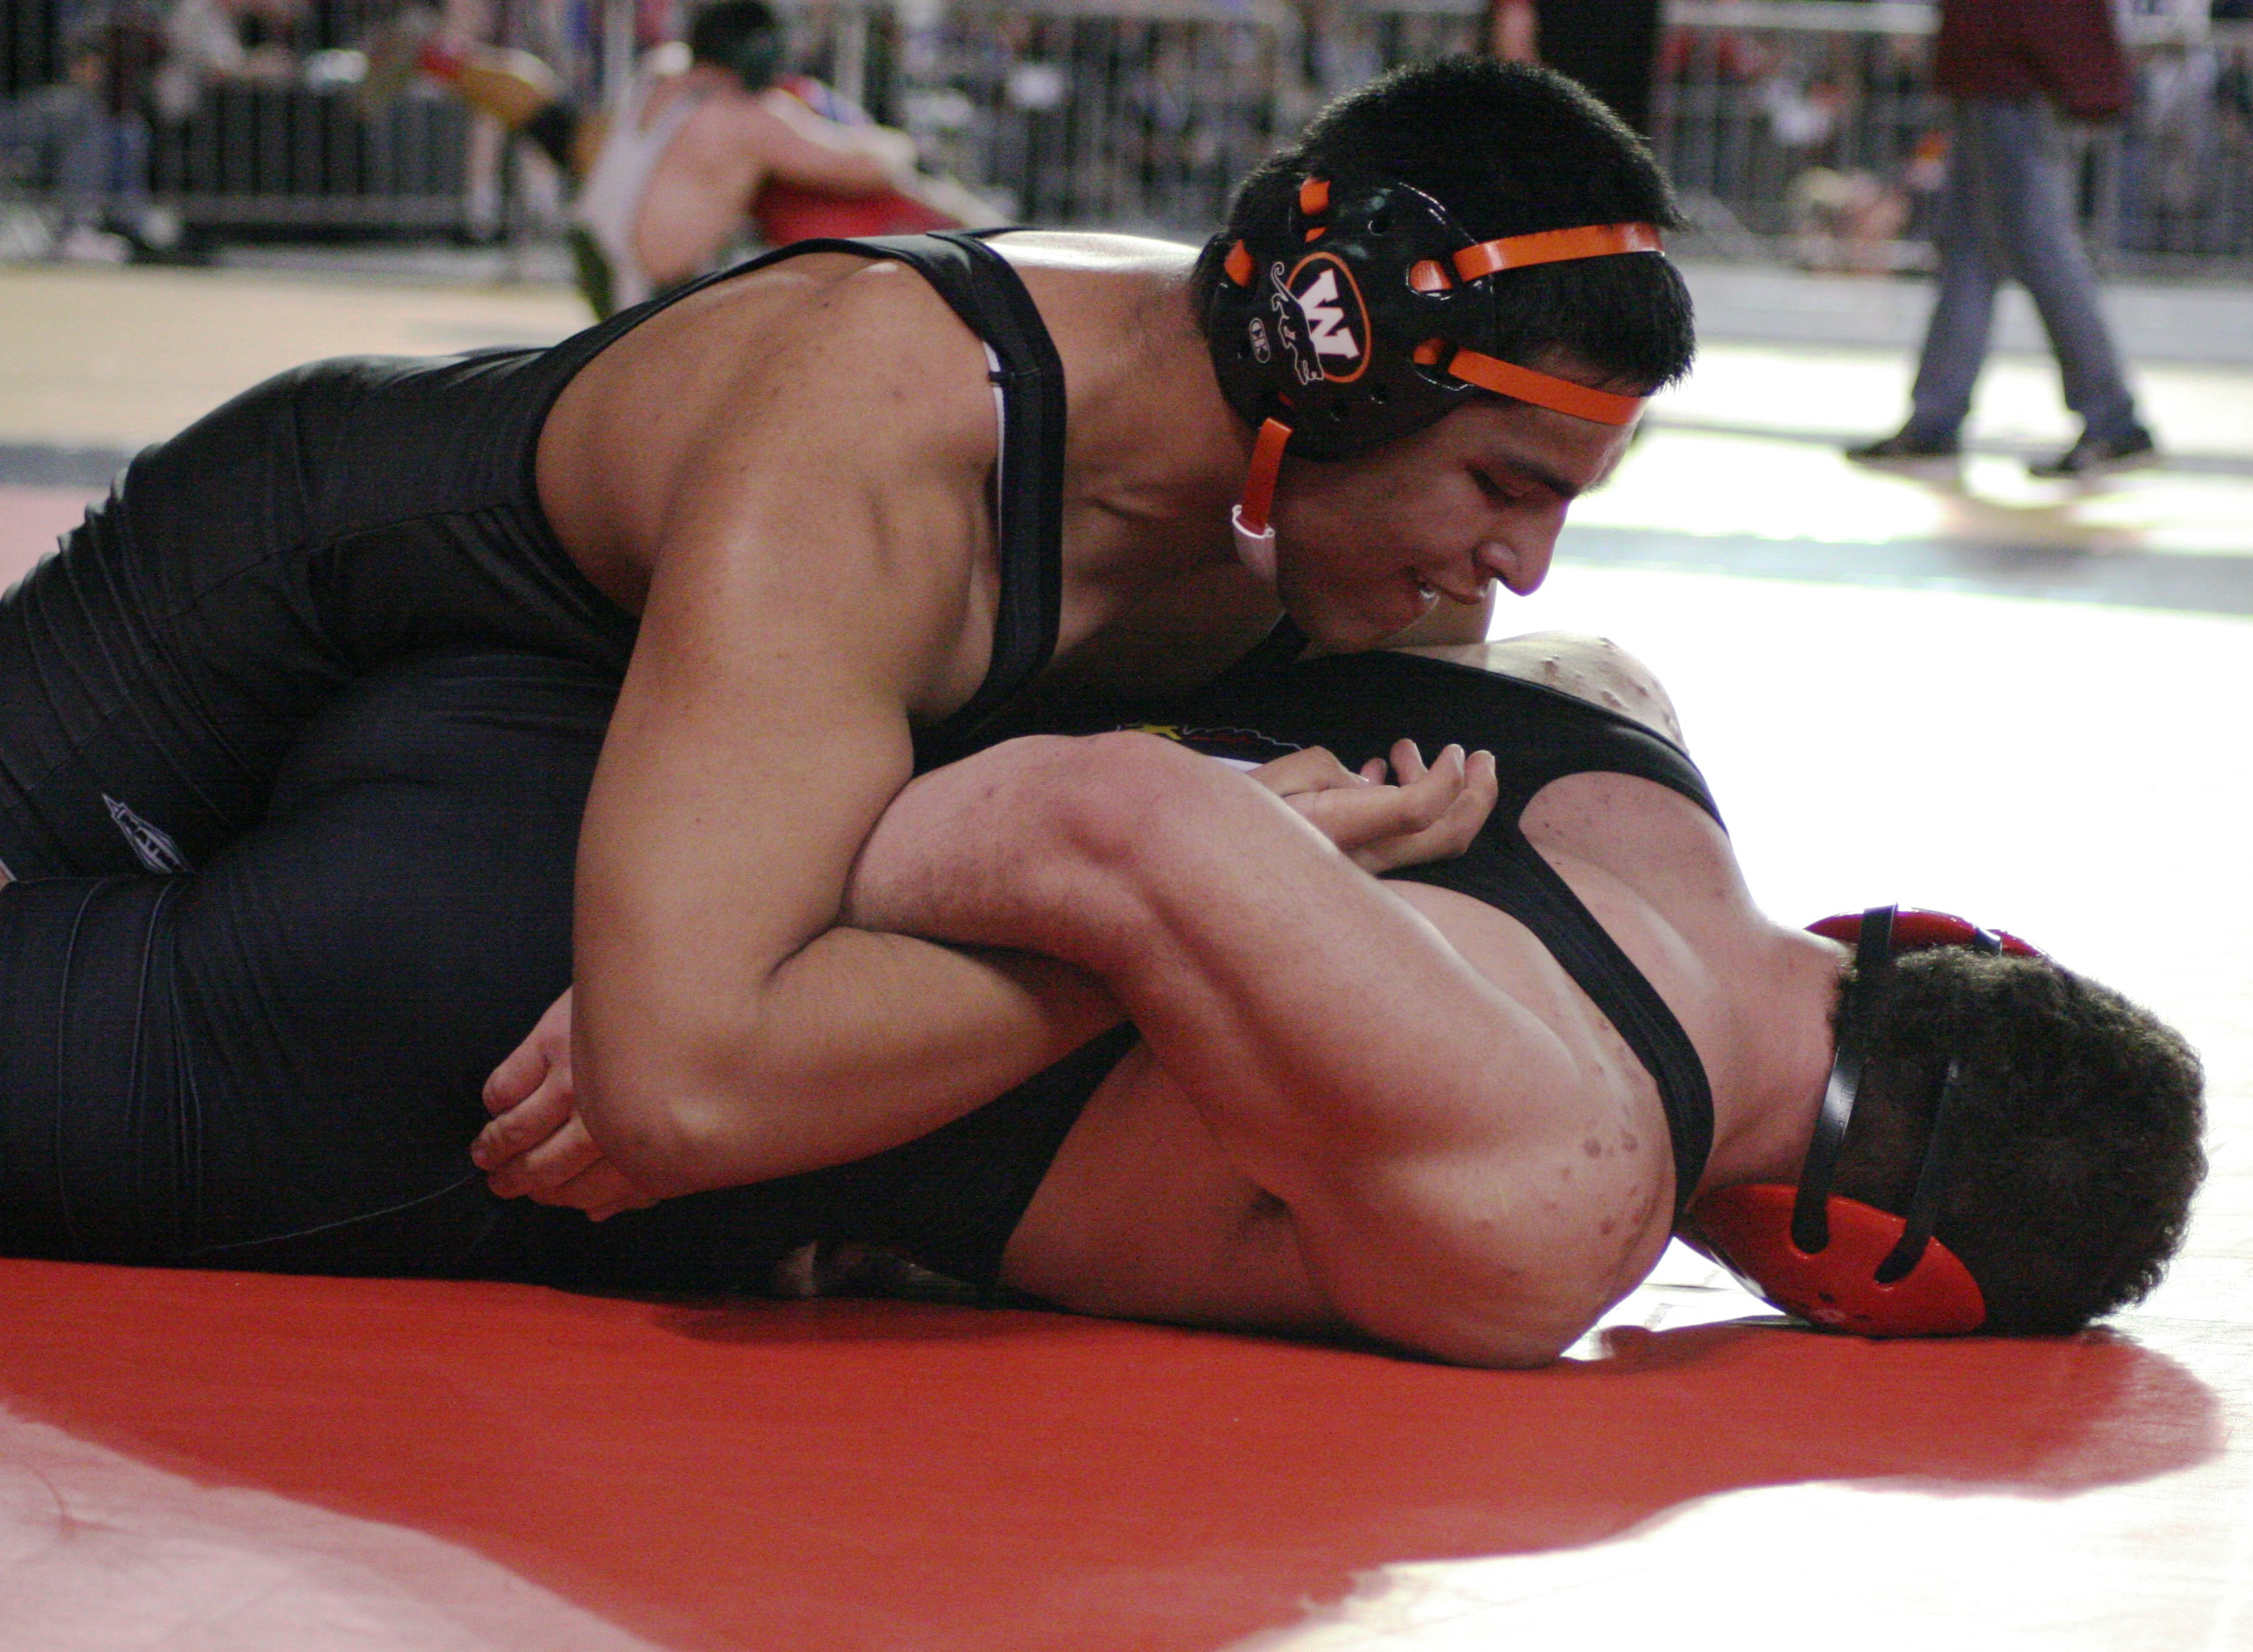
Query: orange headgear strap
{"type": "Point", "coordinates": [1544, 389]}
{"type": "Point", "coordinates": [1255, 535]}
{"type": "Point", "coordinates": [1266, 464]}
{"type": "Point", "coordinates": [1521, 252]}
{"type": "Point", "coordinates": [1554, 247]}
{"type": "Point", "coordinates": [1255, 538]}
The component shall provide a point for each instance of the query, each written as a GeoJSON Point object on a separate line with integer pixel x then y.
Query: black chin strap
{"type": "Point", "coordinates": [1924, 1205]}
{"type": "Point", "coordinates": [1874, 969]}
{"type": "Point", "coordinates": [1810, 1216]}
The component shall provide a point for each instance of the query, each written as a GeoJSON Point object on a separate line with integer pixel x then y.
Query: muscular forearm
{"type": "Point", "coordinates": [1272, 974]}
{"type": "Point", "coordinates": [862, 1041]}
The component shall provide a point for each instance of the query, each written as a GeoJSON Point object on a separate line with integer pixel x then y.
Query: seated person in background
{"type": "Point", "coordinates": [1459, 1109]}
{"type": "Point", "coordinates": [709, 133]}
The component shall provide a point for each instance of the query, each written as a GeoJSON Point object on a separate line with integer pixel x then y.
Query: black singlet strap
{"type": "Point", "coordinates": [1267, 658]}
{"type": "Point", "coordinates": [986, 292]}
{"type": "Point", "coordinates": [1537, 896]}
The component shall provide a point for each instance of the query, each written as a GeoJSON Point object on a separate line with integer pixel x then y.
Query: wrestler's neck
{"type": "Point", "coordinates": [1762, 1127]}
{"type": "Point", "coordinates": [1158, 451]}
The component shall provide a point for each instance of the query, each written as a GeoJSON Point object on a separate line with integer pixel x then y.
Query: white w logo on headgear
{"type": "Point", "coordinates": [1327, 329]}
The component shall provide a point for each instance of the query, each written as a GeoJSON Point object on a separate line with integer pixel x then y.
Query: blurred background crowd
{"type": "Point", "coordinates": [1804, 130]}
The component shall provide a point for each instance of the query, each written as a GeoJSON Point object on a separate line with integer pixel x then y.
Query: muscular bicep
{"type": "Point", "coordinates": [740, 773]}
{"type": "Point", "coordinates": [1528, 1199]}
{"type": "Point", "coordinates": [763, 726]}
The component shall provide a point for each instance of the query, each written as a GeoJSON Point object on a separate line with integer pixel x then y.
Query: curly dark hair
{"type": "Point", "coordinates": [2071, 1179]}
{"type": "Point", "coordinates": [1508, 150]}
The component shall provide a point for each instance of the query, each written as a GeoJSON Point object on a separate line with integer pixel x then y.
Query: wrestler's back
{"type": "Point", "coordinates": [697, 192]}
{"type": "Point", "coordinates": [1144, 1215]}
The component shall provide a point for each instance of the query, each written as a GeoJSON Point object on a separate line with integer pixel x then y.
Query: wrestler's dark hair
{"type": "Point", "coordinates": [740, 36]}
{"type": "Point", "coordinates": [2071, 1181]}
{"type": "Point", "coordinates": [1508, 150]}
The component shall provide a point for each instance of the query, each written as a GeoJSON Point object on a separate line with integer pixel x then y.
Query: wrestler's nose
{"type": "Point", "coordinates": [1520, 565]}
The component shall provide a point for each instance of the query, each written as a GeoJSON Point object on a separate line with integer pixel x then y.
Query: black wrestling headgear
{"type": "Point", "coordinates": [1352, 312]}
{"type": "Point", "coordinates": [1835, 1260]}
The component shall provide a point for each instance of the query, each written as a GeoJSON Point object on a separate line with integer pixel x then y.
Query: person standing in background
{"type": "Point", "coordinates": [2009, 68]}
{"type": "Point", "coordinates": [1608, 45]}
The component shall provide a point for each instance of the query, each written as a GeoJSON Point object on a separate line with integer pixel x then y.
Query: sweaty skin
{"type": "Point", "coordinates": [1472, 1163]}
{"type": "Point", "coordinates": [787, 477]}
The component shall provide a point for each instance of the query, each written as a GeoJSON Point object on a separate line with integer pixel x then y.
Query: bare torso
{"type": "Point", "coordinates": [733, 143]}
{"type": "Point", "coordinates": [646, 432]}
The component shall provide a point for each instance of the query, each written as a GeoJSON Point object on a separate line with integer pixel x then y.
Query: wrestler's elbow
{"type": "Point", "coordinates": [1460, 1288]}
{"type": "Point", "coordinates": [1484, 1340]}
{"type": "Point", "coordinates": [658, 1108]}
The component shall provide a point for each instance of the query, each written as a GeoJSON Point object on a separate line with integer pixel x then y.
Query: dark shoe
{"type": "Point", "coordinates": [1902, 448]}
{"type": "Point", "coordinates": [2097, 455]}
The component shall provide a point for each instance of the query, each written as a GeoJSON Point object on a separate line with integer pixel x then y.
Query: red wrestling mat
{"type": "Point", "coordinates": [885, 1475]}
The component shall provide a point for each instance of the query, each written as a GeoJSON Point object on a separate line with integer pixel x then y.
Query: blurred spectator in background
{"type": "Point", "coordinates": [90, 133]}
{"type": "Point", "coordinates": [705, 137]}
{"type": "Point", "coordinates": [2008, 67]}
{"type": "Point", "coordinates": [102, 173]}
{"type": "Point", "coordinates": [1608, 45]}
{"type": "Point", "coordinates": [208, 41]}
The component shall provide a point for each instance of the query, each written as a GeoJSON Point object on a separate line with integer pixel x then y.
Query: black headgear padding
{"type": "Point", "coordinates": [1323, 334]}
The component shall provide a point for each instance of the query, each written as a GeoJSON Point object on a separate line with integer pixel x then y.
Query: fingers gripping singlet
{"type": "Point", "coordinates": [1359, 705]}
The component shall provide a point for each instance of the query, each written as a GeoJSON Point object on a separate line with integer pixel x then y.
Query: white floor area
{"type": "Point", "coordinates": [2078, 774]}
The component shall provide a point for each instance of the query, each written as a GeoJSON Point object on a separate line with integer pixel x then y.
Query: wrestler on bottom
{"type": "Point", "coordinates": [1459, 1109]}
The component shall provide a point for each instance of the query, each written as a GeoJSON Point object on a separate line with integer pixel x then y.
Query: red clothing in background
{"type": "Point", "coordinates": [2068, 51]}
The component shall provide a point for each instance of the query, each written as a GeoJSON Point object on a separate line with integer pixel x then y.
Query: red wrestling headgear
{"type": "Point", "coordinates": [1834, 1260]}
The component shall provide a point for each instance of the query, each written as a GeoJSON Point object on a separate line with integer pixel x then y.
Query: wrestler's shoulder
{"type": "Point", "coordinates": [819, 334]}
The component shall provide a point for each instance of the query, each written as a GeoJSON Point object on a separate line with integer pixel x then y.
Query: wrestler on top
{"type": "Point", "coordinates": [826, 514]}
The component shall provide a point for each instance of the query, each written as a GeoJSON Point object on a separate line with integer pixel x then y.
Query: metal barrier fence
{"type": "Point", "coordinates": [1801, 128]}
{"type": "Point", "coordinates": [276, 157]}
{"type": "Point", "coordinates": [27, 45]}
{"type": "Point", "coordinates": [1814, 127]}
{"type": "Point", "coordinates": [1804, 129]}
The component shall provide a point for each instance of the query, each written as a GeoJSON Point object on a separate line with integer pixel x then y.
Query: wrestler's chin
{"type": "Point", "coordinates": [1368, 619]}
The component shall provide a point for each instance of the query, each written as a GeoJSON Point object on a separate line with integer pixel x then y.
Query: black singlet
{"type": "Point", "coordinates": [1359, 705]}
{"type": "Point", "coordinates": [154, 674]}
